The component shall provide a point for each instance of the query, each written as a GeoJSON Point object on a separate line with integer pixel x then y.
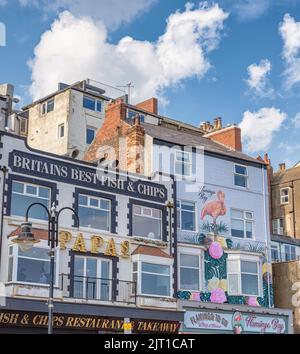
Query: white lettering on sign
{"type": "Point", "coordinates": [66, 172]}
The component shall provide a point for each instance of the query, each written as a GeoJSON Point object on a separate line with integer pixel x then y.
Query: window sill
{"type": "Point", "coordinates": [158, 297]}
{"type": "Point", "coordinates": [32, 285]}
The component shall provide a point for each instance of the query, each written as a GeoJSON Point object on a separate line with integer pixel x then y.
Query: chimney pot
{"type": "Point", "coordinates": [282, 166]}
{"type": "Point", "coordinates": [217, 123]}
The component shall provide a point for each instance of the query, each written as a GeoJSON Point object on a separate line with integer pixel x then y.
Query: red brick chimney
{"type": "Point", "coordinates": [228, 136]}
{"type": "Point", "coordinates": [126, 141]}
{"type": "Point", "coordinates": [150, 105]}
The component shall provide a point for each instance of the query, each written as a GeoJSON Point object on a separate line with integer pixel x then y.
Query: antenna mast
{"type": "Point", "coordinates": [128, 86]}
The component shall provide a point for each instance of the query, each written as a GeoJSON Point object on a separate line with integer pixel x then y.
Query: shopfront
{"type": "Point", "coordinates": [118, 262]}
{"type": "Point", "coordinates": [237, 320]}
{"type": "Point", "coordinates": [30, 316]}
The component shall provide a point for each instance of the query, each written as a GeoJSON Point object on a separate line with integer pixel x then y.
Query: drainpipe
{"type": "Point", "coordinates": [4, 170]}
{"type": "Point", "coordinates": [267, 250]}
{"type": "Point", "coordinates": [293, 202]}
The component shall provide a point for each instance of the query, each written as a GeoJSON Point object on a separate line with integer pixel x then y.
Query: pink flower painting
{"type": "Point", "coordinates": [252, 301]}
{"type": "Point", "coordinates": [218, 296]}
{"type": "Point", "coordinates": [215, 250]}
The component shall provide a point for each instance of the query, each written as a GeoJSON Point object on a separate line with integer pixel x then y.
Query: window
{"type": "Point", "coordinates": [24, 194]}
{"type": "Point", "coordinates": [90, 135]}
{"type": "Point", "coordinates": [183, 163]}
{"type": "Point", "coordinates": [240, 176]}
{"type": "Point", "coordinates": [94, 212]}
{"type": "Point", "coordinates": [275, 253]}
{"type": "Point", "coordinates": [152, 279]}
{"type": "Point", "coordinates": [32, 266]}
{"type": "Point", "coordinates": [132, 114]}
{"type": "Point", "coordinates": [284, 196]}
{"type": "Point", "coordinates": [189, 274]}
{"type": "Point", "coordinates": [61, 131]}
{"type": "Point", "coordinates": [186, 219]}
{"type": "Point", "coordinates": [243, 276]}
{"type": "Point", "coordinates": [146, 222]}
{"type": "Point", "coordinates": [92, 278]}
{"type": "Point", "coordinates": [242, 223]}
{"type": "Point", "coordinates": [277, 226]}
{"type": "Point", "coordinates": [289, 252]}
{"type": "Point", "coordinates": [92, 104]}
{"type": "Point", "coordinates": [48, 106]}
{"type": "Point", "coordinates": [23, 126]}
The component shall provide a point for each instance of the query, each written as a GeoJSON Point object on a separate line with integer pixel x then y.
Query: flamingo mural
{"type": "Point", "coordinates": [215, 208]}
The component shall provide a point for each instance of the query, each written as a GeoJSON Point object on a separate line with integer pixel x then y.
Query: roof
{"type": "Point", "coordinates": [190, 138]}
{"type": "Point", "coordinates": [75, 86]}
{"type": "Point", "coordinates": [286, 176]}
{"type": "Point", "coordinates": [150, 251]}
{"type": "Point", "coordinates": [285, 239]}
{"type": "Point", "coordinates": [38, 233]}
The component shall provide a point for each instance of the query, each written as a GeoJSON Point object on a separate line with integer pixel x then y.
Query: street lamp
{"type": "Point", "coordinates": [26, 240]}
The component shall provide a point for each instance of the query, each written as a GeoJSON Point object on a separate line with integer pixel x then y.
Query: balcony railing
{"type": "Point", "coordinates": [100, 289]}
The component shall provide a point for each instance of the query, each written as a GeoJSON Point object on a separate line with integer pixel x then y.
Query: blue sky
{"type": "Point", "coordinates": [196, 80]}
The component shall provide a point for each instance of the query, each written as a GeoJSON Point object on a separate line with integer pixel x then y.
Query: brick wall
{"type": "Point", "coordinates": [119, 140]}
{"type": "Point", "coordinates": [150, 105]}
{"type": "Point", "coordinates": [230, 136]}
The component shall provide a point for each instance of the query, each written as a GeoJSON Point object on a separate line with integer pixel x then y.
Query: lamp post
{"type": "Point", "coordinates": [26, 240]}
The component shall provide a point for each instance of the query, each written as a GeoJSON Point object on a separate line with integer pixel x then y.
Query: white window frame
{"type": "Point", "coordinates": [182, 163]}
{"type": "Point", "coordinates": [89, 206]}
{"type": "Point", "coordinates": [23, 121]}
{"type": "Point", "coordinates": [276, 228]}
{"type": "Point", "coordinates": [246, 258]}
{"type": "Point", "coordinates": [272, 247]}
{"type": "Point", "coordinates": [179, 222]}
{"type": "Point", "coordinates": [37, 186]}
{"type": "Point", "coordinates": [201, 269]}
{"type": "Point", "coordinates": [98, 277]}
{"type": "Point", "coordinates": [245, 220]}
{"type": "Point", "coordinates": [246, 176]}
{"type": "Point", "coordinates": [282, 197]}
{"type": "Point", "coordinates": [139, 259]}
{"type": "Point", "coordinates": [60, 128]}
{"type": "Point", "coordinates": [95, 104]}
{"type": "Point", "coordinates": [45, 106]}
{"type": "Point", "coordinates": [289, 248]}
{"type": "Point", "coordinates": [15, 256]}
{"type": "Point", "coordinates": [143, 208]}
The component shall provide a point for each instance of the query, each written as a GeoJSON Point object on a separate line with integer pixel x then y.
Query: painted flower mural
{"type": "Point", "coordinates": [252, 301]}
{"type": "Point", "coordinates": [218, 296]}
{"type": "Point", "coordinates": [215, 250]}
{"type": "Point", "coordinates": [212, 237]}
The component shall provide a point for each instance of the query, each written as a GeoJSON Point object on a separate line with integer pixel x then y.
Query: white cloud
{"type": "Point", "coordinates": [3, 2]}
{"type": "Point", "coordinates": [76, 48]}
{"type": "Point", "coordinates": [251, 9]}
{"type": "Point", "coordinates": [296, 120]}
{"type": "Point", "coordinates": [289, 30]}
{"type": "Point", "coordinates": [257, 81]}
{"type": "Point", "coordinates": [289, 148]}
{"type": "Point", "coordinates": [258, 128]}
{"type": "Point", "coordinates": [112, 13]}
